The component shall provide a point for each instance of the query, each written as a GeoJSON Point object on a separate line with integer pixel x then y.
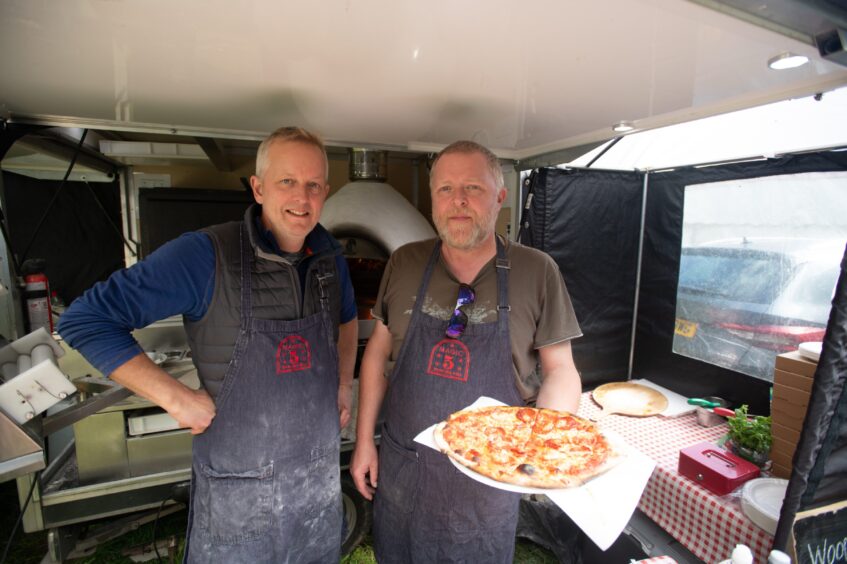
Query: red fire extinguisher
{"type": "Point", "coordinates": [37, 298]}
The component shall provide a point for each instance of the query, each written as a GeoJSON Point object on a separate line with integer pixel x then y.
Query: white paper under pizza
{"type": "Point", "coordinates": [602, 507]}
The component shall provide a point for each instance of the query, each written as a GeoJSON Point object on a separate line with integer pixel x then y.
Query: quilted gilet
{"type": "Point", "coordinates": [275, 294]}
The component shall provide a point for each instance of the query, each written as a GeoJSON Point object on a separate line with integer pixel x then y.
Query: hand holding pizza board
{"type": "Point", "coordinates": [628, 398]}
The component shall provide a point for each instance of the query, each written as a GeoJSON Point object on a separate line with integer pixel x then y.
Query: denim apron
{"type": "Point", "coordinates": [265, 477]}
{"type": "Point", "coordinates": [425, 510]}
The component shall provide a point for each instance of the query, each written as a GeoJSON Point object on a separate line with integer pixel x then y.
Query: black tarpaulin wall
{"type": "Point", "coordinates": [819, 475]}
{"type": "Point", "coordinates": [588, 221]}
{"type": "Point", "coordinates": [79, 240]}
{"type": "Point", "coordinates": [653, 358]}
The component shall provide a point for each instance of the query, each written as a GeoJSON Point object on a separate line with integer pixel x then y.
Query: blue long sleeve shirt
{"type": "Point", "coordinates": [178, 278]}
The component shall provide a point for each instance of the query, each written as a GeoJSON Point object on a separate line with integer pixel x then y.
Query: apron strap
{"type": "Point", "coordinates": [502, 266]}
{"type": "Point", "coordinates": [416, 309]}
{"type": "Point", "coordinates": [323, 277]}
{"type": "Point", "coordinates": [246, 280]}
{"type": "Point", "coordinates": [430, 266]}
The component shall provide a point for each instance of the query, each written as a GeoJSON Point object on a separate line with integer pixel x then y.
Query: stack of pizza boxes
{"type": "Point", "coordinates": [792, 384]}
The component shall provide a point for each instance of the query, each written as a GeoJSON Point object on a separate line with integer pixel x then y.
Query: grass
{"type": "Point", "coordinates": [362, 554]}
{"type": "Point", "coordinates": [30, 548]}
{"type": "Point", "coordinates": [527, 552]}
{"type": "Point", "coordinates": [170, 527]}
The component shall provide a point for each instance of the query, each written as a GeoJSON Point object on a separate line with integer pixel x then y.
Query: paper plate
{"type": "Point", "coordinates": [761, 501]}
{"type": "Point", "coordinates": [810, 350]}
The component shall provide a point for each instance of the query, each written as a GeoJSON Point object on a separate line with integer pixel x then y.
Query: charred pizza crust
{"type": "Point", "coordinates": [526, 446]}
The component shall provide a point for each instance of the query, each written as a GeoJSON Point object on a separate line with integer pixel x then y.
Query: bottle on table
{"type": "Point", "coordinates": [741, 554]}
{"type": "Point", "coordinates": [778, 557]}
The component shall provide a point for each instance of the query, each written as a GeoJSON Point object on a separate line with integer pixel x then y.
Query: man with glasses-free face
{"type": "Point", "coordinates": [270, 316]}
{"type": "Point", "coordinates": [466, 315]}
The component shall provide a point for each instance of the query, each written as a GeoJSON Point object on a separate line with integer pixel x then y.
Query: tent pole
{"type": "Point", "coordinates": [638, 273]}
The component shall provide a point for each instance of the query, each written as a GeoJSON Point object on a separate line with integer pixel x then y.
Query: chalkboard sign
{"type": "Point", "coordinates": [820, 535]}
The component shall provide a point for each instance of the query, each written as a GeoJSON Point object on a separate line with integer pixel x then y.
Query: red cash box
{"type": "Point", "coordinates": [715, 468]}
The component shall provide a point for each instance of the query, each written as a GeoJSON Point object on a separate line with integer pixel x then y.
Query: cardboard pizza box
{"type": "Point", "coordinates": [788, 413]}
{"type": "Point", "coordinates": [790, 434]}
{"type": "Point", "coordinates": [792, 380]}
{"type": "Point", "coordinates": [781, 471]}
{"type": "Point", "coordinates": [793, 396]}
{"type": "Point", "coordinates": [783, 446]}
{"type": "Point", "coordinates": [794, 362]}
{"type": "Point", "coordinates": [782, 458]}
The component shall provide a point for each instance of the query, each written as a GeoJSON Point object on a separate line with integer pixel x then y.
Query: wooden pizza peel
{"type": "Point", "coordinates": [628, 398]}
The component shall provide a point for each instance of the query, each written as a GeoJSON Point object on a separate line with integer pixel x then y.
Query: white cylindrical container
{"type": "Point", "coordinates": [42, 352]}
{"type": "Point", "coordinates": [778, 557]}
{"type": "Point", "coordinates": [10, 370]}
{"type": "Point", "coordinates": [742, 554]}
{"type": "Point", "coordinates": [24, 363]}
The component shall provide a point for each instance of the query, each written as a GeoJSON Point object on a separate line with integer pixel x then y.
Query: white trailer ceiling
{"type": "Point", "coordinates": [524, 77]}
{"type": "Point", "coordinates": [791, 126]}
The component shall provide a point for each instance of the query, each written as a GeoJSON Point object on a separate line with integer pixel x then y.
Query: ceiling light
{"type": "Point", "coordinates": [623, 126]}
{"type": "Point", "coordinates": [787, 61]}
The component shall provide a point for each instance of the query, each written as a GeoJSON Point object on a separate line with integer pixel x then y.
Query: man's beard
{"type": "Point", "coordinates": [466, 237]}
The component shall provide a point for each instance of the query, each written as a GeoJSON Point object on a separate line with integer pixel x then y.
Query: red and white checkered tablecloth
{"type": "Point", "coordinates": [708, 525]}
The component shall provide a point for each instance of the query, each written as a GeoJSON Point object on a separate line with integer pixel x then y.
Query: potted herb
{"type": "Point", "coordinates": [750, 436]}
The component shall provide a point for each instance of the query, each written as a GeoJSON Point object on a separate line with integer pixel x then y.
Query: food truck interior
{"type": "Point", "coordinates": [125, 124]}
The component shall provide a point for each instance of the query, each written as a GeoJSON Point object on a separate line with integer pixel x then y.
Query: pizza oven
{"type": "Point", "coordinates": [371, 220]}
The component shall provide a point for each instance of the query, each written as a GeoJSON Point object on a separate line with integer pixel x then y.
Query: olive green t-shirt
{"type": "Point", "coordinates": [541, 312]}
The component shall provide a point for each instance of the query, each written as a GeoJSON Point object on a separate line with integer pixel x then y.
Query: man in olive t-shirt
{"type": "Point", "coordinates": [541, 312]}
{"type": "Point", "coordinates": [459, 317]}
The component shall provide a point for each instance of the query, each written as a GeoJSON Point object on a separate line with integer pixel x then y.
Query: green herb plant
{"type": "Point", "coordinates": [751, 433]}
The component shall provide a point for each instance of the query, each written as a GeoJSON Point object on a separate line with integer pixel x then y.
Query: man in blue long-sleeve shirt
{"type": "Point", "coordinates": [268, 308]}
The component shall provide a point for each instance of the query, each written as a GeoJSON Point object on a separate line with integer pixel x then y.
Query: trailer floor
{"type": "Point", "coordinates": [30, 548]}
{"type": "Point", "coordinates": [27, 548]}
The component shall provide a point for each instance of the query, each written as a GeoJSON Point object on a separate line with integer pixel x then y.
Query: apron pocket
{"type": "Point", "coordinates": [239, 503]}
{"type": "Point", "coordinates": [398, 475]}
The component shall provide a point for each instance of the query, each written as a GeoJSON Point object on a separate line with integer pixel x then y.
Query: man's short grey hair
{"type": "Point", "coordinates": [470, 147]}
{"type": "Point", "coordinates": [283, 134]}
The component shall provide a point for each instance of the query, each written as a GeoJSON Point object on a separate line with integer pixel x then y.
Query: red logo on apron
{"type": "Point", "coordinates": [293, 355]}
{"type": "Point", "coordinates": [450, 359]}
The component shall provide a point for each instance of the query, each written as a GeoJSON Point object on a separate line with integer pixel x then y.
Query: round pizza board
{"type": "Point", "coordinates": [496, 484]}
{"type": "Point", "coordinates": [629, 398]}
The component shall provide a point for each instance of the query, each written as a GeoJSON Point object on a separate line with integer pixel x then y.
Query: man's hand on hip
{"type": "Point", "coordinates": [194, 411]}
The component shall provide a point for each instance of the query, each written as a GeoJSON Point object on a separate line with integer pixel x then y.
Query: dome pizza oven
{"type": "Point", "coordinates": [371, 220]}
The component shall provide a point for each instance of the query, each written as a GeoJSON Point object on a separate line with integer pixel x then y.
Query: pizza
{"type": "Point", "coordinates": [526, 446]}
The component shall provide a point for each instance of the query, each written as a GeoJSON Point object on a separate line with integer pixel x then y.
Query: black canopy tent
{"type": "Point", "coordinates": [820, 463]}
{"type": "Point", "coordinates": [596, 224]}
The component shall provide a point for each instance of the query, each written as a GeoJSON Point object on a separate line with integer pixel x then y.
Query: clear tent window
{"type": "Point", "coordinates": [758, 266]}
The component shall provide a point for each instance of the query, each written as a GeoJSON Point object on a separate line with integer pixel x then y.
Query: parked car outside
{"type": "Point", "coordinates": [740, 303]}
